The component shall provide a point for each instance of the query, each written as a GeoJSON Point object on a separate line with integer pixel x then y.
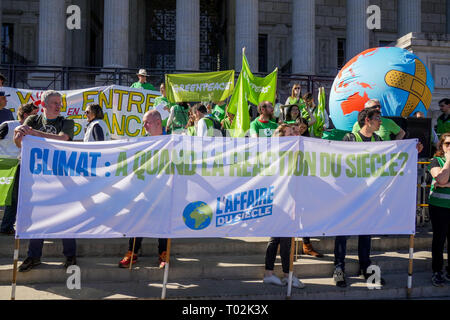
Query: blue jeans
{"type": "Point", "coordinates": [35, 248]}
{"type": "Point", "coordinates": [9, 217]}
{"type": "Point", "coordinates": [340, 250]}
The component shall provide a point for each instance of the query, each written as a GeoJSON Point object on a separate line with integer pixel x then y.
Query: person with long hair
{"type": "Point", "coordinates": [439, 206]}
{"type": "Point", "coordinates": [96, 129]}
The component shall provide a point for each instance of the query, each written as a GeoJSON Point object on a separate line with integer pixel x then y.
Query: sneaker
{"type": "Point", "coordinates": [437, 280]}
{"type": "Point", "coordinates": [367, 275]}
{"type": "Point", "coordinates": [273, 279]}
{"type": "Point", "coordinates": [70, 261]}
{"type": "Point", "coordinates": [125, 262]}
{"type": "Point", "coordinates": [162, 259]}
{"type": "Point", "coordinates": [339, 277]}
{"type": "Point", "coordinates": [309, 250]}
{"type": "Point", "coordinates": [296, 283]}
{"type": "Point", "coordinates": [29, 264]}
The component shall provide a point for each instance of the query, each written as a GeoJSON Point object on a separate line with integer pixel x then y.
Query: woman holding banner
{"type": "Point", "coordinates": [283, 130]}
{"type": "Point", "coordinates": [96, 129]}
{"type": "Point", "coordinates": [439, 205]}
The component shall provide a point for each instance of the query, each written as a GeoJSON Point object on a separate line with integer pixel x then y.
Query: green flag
{"type": "Point", "coordinates": [241, 122]}
{"type": "Point", "coordinates": [8, 169]}
{"type": "Point", "coordinates": [258, 89]}
{"type": "Point", "coordinates": [207, 86]}
{"type": "Point", "coordinates": [319, 114]}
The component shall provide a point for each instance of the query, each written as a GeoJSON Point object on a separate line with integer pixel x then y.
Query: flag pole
{"type": "Point", "coordinates": [16, 258]}
{"type": "Point", "coordinates": [410, 268]}
{"type": "Point", "coordinates": [132, 253]}
{"type": "Point", "coordinates": [291, 268]}
{"type": "Point", "coordinates": [166, 269]}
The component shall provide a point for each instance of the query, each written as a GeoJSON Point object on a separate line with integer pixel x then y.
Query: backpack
{"type": "Point", "coordinates": [216, 125]}
{"type": "Point", "coordinates": [180, 117]}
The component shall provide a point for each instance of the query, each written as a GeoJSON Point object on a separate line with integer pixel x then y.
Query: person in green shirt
{"type": "Point", "coordinates": [162, 99]}
{"type": "Point", "coordinates": [142, 83]}
{"type": "Point", "coordinates": [387, 126]}
{"type": "Point", "coordinates": [263, 126]}
{"type": "Point", "coordinates": [443, 122]}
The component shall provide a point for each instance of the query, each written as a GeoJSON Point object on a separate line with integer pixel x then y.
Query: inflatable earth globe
{"type": "Point", "coordinates": [395, 76]}
{"type": "Point", "coordinates": [197, 215]}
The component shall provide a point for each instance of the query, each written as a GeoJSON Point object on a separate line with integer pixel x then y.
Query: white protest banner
{"type": "Point", "coordinates": [178, 186]}
{"type": "Point", "coordinates": [123, 107]}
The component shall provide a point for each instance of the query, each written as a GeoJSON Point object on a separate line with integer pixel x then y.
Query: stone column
{"type": "Point", "coordinates": [303, 37]}
{"type": "Point", "coordinates": [246, 33]}
{"type": "Point", "coordinates": [52, 29]}
{"type": "Point", "coordinates": [357, 31]}
{"type": "Point", "coordinates": [448, 16]}
{"type": "Point", "coordinates": [1, 20]}
{"type": "Point", "coordinates": [187, 56]}
{"type": "Point", "coordinates": [80, 44]}
{"type": "Point", "coordinates": [408, 17]}
{"type": "Point", "coordinates": [115, 33]}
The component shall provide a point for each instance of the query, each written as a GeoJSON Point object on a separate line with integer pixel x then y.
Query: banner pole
{"type": "Point", "coordinates": [16, 258]}
{"type": "Point", "coordinates": [132, 253]}
{"type": "Point", "coordinates": [166, 269]}
{"type": "Point", "coordinates": [291, 268]}
{"type": "Point", "coordinates": [410, 268]}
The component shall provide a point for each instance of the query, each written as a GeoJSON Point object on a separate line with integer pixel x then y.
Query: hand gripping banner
{"type": "Point", "coordinates": [177, 186]}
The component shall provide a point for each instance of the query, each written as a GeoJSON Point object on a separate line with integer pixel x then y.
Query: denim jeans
{"type": "Point", "coordinates": [35, 248]}
{"type": "Point", "coordinates": [9, 217]}
{"type": "Point", "coordinates": [162, 245]}
{"type": "Point", "coordinates": [340, 250]}
{"type": "Point", "coordinates": [440, 222]}
{"type": "Point", "coordinates": [271, 253]}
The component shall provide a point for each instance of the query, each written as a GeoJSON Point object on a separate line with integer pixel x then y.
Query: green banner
{"type": "Point", "coordinates": [193, 87]}
{"type": "Point", "coordinates": [257, 89]}
{"type": "Point", "coordinates": [8, 169]}
{"type": "Point", "coordinates": [241, 122]}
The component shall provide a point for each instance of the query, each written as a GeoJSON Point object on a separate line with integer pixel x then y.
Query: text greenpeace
{"type": "Point", "coordinates": [123, 107]}
{"type": "Point", "coordinates": [180, 186]}
{"type": "Point", "coordinates": [199, 87]}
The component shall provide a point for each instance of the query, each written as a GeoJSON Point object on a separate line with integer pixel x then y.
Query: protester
{"type": "Point", "coordinates": [439, 206]}
{"type": "Point", "coordinates": [153, 126]}
{"type": "Point", "coordinates": [178, 118]}
{"type": "Point", "coordinates": [96, 129]}
{"type": "Point", "coordinates": [142, 83]}
{"type": "Point", "coordinates": [5, 114]}
{"type": "Point", "coordinates": [387, 127]}
{"type": "Point", "coordinates": [284, 242]}
{"type": "Point", "coordinates": [296, 97]}
{"type": "Point", "coordinates": [227, 123]}
{"type": "Point", "coordinates": [2, 80]}
{"type": "Point", "coordinates": [292, 113]}
{"type": "Point", "coordinates": [9, 150]}
{"type": "Point", "coordinates": [434, 138]}
{"type": "Point", "coordinates": [49, 125]}
{"type": "Point", "coordinates": [162, 99]}
{"type": "Point", "coordinates": [190, 126]}
{"type": "Point", "coordinates": [205, 124]}
{"type": "Point", "coordinates": [263, 126]}
{"type": "Point", "coordinates": [443, 122]}
{"type": "Point", "coordinates": [321, 122]}
{"type": "Point", "coordinates": [369, 120]}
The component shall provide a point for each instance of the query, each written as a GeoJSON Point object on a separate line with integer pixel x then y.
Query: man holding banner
{"type": "Point", "coordinates": [48, 125]}
{"type": "Point", "coordinates": [153, 126]}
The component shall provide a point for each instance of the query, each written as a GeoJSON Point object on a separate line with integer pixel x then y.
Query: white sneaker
{"type": "Point", "coordinates": [296, 283]}
{"type": "Point", "coordinates": [273, 279]}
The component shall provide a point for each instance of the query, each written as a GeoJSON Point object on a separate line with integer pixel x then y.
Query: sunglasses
{"type": "Point", "coordinates": [446, 144]}
{"type": "Point", "coordinates": [296, 88]}
{"type": "Point", "coordinates": [87, 112]}
{"type": "Point", "coordinates": [377, 118]}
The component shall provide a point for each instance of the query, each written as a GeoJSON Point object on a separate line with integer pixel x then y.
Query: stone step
{"type": "Point", "coordinates": [317, 288]}
{"type": "Point", "coordinates": [204, 267]}
{"type": "Point", "coordinates": [200, 246]}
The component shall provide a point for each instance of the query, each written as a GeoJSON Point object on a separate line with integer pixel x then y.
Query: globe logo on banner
{"type": "Point", "coordinates": [395, 76]}
{"type": "Point", "coordinates": [197, 215]}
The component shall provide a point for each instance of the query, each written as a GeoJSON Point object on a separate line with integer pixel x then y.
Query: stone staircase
{"type": "Point", "coordinates": [216, 268]}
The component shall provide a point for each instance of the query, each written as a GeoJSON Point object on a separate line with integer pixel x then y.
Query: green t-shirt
{"type": "Point", "coordinates": [387, 127]}
{"type": "Point", "coordinates": [262, 128]}
{"type": "Point", "coordinates": [54, 126]}
{"type": "Point", "coordinates": [146, 86]}
{"type": "Point", "coordinates": [443, 125]}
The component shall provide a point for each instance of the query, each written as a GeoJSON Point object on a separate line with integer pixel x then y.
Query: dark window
{"type": "Point", "coordinates": [383, 43]}
{"type": "Point", "coordinates": [262, 53]}
{"type": "Point", "coordinates": [7, 42]}
{"type": "Point", "coordinates": [340, 53]}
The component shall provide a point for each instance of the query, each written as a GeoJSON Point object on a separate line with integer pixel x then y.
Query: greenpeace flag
{"type": "Point", "coordinates": [178, 186]}
{"type": "Point", "coordinates": [206, 86]}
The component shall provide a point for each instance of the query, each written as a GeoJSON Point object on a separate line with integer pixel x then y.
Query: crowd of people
{"type": "Point", "coordinates": [300, 116]}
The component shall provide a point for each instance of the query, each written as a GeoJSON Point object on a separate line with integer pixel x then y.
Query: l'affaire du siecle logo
{"type": "Point", "coordinates": [230, 209]}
